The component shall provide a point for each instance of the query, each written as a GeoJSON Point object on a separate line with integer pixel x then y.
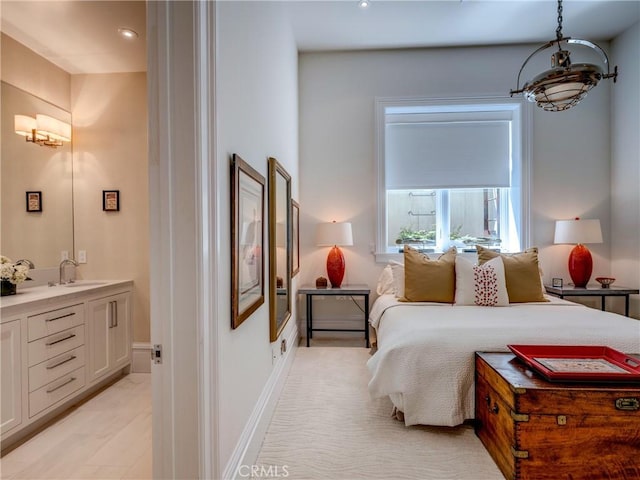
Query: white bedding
{"type": "Point", "coordinates": [425, 356]}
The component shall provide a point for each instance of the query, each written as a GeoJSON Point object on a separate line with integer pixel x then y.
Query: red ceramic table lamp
{"type": "Point", "coordinates": [579, 232]}
{"type": "Point", "coordinates": [334, 235]}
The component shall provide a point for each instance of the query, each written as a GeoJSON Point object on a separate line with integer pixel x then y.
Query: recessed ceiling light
{"type": "Point", "coordinates": [363, 3]}
{"type": "Point", "coordinates": [128, 33]}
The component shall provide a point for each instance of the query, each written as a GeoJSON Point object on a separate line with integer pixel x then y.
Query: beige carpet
{"type": "Point", "coordinates": [327, 427]}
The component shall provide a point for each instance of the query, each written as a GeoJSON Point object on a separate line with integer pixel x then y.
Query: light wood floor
{"type": "Point", "coordinates": [107, 437]}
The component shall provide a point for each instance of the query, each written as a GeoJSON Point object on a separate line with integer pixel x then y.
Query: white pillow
{"type": "Point", "coordinates": [385, 281]}
{"type": "Point", "coordinates": [398, 278]}
{"type": "Point", "coordinates": [483, 285]}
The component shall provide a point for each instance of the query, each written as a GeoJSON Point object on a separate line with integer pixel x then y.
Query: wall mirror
{"type": "Point", "coordinates": [39, 236]}
{"type": "Point", "coordinates": [279, 248]}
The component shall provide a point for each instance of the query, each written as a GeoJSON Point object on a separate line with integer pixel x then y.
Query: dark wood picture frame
{"type": "Point", "coordinates": [556, 282]}
{"type": "Point", "coordinates": [111, 200]}
{"type": "Point", "coordinates": [34, 201]}
{"type": "Point", "coordinates": [247, 240]}
{"type": "Point", "coordinates": [295, 238]}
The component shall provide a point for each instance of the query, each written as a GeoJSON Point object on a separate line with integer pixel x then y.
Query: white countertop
{"type": "Point", "coordinates": [34, 297]}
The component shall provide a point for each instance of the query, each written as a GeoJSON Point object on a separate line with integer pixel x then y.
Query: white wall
{"type": "Point", "coordinates": [569, 164]}
{"type": "Point", "coordinates": [257, 115]}
{"type": "Point", "coordinates": [110, 153]}
{"type": "Point", "coordinates": [625, 164]}
{"type": "Point", "coordinates": [27, 70]}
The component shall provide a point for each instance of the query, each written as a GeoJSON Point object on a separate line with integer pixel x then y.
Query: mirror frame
{"type": "Point", "coordinates": [275, 326]}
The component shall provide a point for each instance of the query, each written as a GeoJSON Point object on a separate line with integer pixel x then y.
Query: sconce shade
{"type": "Point", "coordinates": [42, 130]}
{"type": "Point", "coordinates": [53, 128]}
{"type": "Point", "coordinates": [579, 232]}
{"type": "Point", "coordinates": [334, 234]}
{"type": "Point", "coordinates": [24, 125]}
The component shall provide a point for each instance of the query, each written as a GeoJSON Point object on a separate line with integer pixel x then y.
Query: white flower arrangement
{"type": "Point", "coordinates": [13, 272]}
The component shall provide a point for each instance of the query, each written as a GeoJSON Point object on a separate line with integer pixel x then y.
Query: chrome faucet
{"type": "Point", "coordinates": [64, 263]}
{"type": "Point", "coordinates": [28, 263]}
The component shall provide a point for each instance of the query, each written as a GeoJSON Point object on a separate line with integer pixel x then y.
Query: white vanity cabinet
{"type": "Point", "coordinates": [58, 345]}
{"type": "Point", "coordinates": [56, 341]}
{"type": "Point", "coordinates": [11, 379]}
{"type": "Point", "coordinates": [109, 334]}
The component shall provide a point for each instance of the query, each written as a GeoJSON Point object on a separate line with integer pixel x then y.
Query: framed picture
{"type": "Point", "coordinates": [111, 200]}
{"type": "Point", "coordinates": [295, 237]}
{"type": "Point", "coordinates": [556, 282]}
{"type": "Point", "coordinates": [247, 240]}
{"type": "Point", "coordinates": [34, 201]}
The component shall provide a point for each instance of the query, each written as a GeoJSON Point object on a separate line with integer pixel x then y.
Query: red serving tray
{"type": "Point", "coordinates": [570, 363]}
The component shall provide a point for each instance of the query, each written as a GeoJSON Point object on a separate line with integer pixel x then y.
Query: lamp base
{"type": "Point", "coordinates": [580, 265]}
{"type": "Point", "coordinates": [335, 267]}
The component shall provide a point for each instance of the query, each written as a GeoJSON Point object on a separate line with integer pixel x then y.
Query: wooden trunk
{"type": "Point", "coordinates": [538, 430]}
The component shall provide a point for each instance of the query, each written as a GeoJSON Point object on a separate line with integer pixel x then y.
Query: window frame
{"type": "Point", "coordinates": [521, 115]}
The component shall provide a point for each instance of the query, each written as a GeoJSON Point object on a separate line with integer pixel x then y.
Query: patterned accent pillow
{"type": "Point", "coordinates": [485, 280]}
{"type": "Point", "coordinates": [483, 285]}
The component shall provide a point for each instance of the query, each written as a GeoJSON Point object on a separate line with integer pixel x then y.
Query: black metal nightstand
{"type": "Point", "coordinates": [612, 291]}
{"type": "Point", "coordinates": [345, 290]}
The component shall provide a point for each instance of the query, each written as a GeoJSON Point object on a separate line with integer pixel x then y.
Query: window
{"type": "Point", "coordinates": [450, 173]}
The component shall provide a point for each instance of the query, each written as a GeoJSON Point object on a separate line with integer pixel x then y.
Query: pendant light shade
{"type": "Point", "coordinates": [565, 84]}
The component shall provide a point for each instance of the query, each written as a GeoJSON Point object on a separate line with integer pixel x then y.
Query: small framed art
{"type": "Point", "coordinates": [111, 200]}
{"type": "Point", "coordinates": [34, 201]}
{"type": "Point", "coordinates": [556, 282]}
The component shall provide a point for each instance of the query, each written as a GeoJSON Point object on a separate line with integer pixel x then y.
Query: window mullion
{"type": "Point", "coordinates": [443, 219]}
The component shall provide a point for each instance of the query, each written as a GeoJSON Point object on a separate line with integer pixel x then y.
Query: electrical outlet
{"type": "Point", "coordinates": [82, 256]}
{"type": "Point", "coordinates": [64, 255]}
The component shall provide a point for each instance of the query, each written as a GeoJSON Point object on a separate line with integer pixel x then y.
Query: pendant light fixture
{"type": "Point", "coordinates": [565, 84]}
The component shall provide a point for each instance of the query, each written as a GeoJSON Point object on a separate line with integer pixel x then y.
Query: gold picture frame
{"type": "Point", "coordinates": [295, 238]}
{"type": "Point", "coordinates": [247, 240]}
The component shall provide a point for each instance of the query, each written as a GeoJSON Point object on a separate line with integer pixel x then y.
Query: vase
{"type": "Point", "coordinates": [8, 288]}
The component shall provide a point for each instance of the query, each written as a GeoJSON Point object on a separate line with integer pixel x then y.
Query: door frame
{"type": "Point", "coordinates": [183, 237]}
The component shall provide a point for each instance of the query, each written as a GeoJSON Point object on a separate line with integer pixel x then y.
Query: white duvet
{"type": "Point", "coordinates": [425, 356]}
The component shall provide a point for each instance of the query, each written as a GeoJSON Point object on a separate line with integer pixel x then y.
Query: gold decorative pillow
{"type": "Point", "coordinates": [427, 280]}
{"type": "Point", "coordinates": [521, 272]}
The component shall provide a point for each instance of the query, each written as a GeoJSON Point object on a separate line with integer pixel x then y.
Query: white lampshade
{"type": "Point", "coordinates": [578, 231]}
{"type": "Point", "coordinates": [329, 234]}
{"type": "Point", "coordinates": [53, 128]}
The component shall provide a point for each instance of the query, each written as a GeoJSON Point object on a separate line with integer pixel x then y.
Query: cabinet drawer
{"type": "Point", "coordinates": [55, 321]}
{"type": "Point", "coordinates": [47, 372]}
{"type": "Point", "coordinates": [46, 348]}
{"type": "Point", "coordinates": [55, 391]}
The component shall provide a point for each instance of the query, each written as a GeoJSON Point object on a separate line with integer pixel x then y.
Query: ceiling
{"type": "Point", "coordinates": [81, 36]}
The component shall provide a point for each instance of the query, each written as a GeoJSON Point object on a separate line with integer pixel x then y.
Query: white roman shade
{"type": "Point", "coordinates": [447, 154]}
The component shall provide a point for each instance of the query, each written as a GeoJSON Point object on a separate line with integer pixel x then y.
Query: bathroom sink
{"type": "Point", "coordinates": [83, 284]}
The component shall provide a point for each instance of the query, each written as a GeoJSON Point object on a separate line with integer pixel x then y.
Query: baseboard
{"type": "Point", "coordinates": [141, 362]}
{"type": "Point", "coordinates": [250, 442]}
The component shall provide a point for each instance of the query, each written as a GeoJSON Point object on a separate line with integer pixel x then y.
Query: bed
{"type": "Point", "coordinates": [425, 350]}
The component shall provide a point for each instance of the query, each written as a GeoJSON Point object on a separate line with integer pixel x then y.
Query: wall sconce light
{"type": "Point", "coordinates": [42, 130]}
